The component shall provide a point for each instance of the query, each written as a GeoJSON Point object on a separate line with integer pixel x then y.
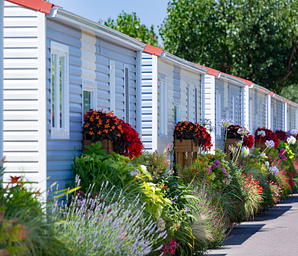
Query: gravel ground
{"type": "Point", "coordinates": [273, 233]}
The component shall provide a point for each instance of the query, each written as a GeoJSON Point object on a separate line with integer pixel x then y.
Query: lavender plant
{"type": "Point", "coordinates": [104, 224]}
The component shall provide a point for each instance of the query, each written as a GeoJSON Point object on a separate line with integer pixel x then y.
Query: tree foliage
{"type": "Point", "coordinates": [130, 24]}
{"type": "Point", "coordinates": [252, 39]}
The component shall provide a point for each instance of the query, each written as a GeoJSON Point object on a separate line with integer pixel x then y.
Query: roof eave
{"type": "Point", "coordinates": [184, 63]}
{"type": "Point", "coordinates": [109, 33]}
{"type": "Point", "coordinates": [231, 79]}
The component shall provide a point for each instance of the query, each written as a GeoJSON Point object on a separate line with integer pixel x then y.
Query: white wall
{"type": "Point", "coordinates": [24, 81]}
{"type": "Point", "coordinates": [1, 77]}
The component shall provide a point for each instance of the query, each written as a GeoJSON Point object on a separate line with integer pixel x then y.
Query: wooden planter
{"type": "Point", "coordinates": [230, 142]}
{"type": "Point", "coordinates": [260, 145]}
{"type": "Point", "coordinates": [185, 152]}
{"type": "Point", "coordinates": [4, 252]}
{"type": "Point", "coordinates": [106, 145]}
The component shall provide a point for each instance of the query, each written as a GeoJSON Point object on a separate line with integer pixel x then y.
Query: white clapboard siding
{"type": "Point", "coordinates": [147, 101]}
{"type": "Point", "coordinates": [257, 110]}
{"type": "Point", "coordinates": [21, 93]}
{"type": "Point", "coordinates": [178, 79]}
{"type": "Point", "coordinates": [228, 105]}
{"type": "Point", "coordinates": [89, 62]}
{"type": "Point", "coordinates": [292, 117]}
{"type": "Point", "coordinates": [277, 113]}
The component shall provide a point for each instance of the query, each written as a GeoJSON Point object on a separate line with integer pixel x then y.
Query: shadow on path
{"type": "Point", "coordinates": [244, 231]}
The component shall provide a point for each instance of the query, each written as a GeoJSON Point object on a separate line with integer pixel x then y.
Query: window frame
{"type": "Point", "coordinates": [89, 86]}
{"type": "Point", "coordinates": [177, 107]}
{"type": "Point", "coordinates": [62, 50]}
{"type": "Point", "coordinates": [163, 107]}
{"type": "Point", "coordinates": [126, 93]}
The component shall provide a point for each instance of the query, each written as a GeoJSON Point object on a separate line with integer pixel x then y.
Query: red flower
{"type": "Point", "coordinates": [99, 125]}
{"type": "Point", "coordinates": [270, 135]}
{"type": "Point", "coordinates": [188, 130]}
{"type": "Point", "coordinates": [281, 135]}
{"type": "Point", "coordinates": [292, 183]}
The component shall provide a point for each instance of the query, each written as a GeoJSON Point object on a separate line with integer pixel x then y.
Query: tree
{"type": "Point", "coordinates": [130, 24]}
{"type": "Point", "coordinates": [252, 39]}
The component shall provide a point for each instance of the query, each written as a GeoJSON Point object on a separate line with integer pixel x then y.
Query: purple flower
{"type": "Point", "coordinates": [217, 163]}
{"type": "Point", "coordinates": [282, 153]}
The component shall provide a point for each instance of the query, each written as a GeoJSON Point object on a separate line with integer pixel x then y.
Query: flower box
{"type": "Point", "coordinates": [106, 144]}
{"type": "Point", "coordinates": [185, 145]}
{"type": "Point", "coordinates": [260, 145]}
{"type": "Point", "coordinates": [4, 252]}
{"type": "Point", "coordinates": [185, 152]}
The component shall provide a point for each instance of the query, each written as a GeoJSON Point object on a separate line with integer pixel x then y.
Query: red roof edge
{"type": "Point", "coordinates": [288, 101]}
{"type": "Point", "coordinates": [153, 50]}
{"type": "Point", "coordinates": [262, 90]}
{"type": "Point", "coordinates": [36, 5]}
{"type": "Point", "coordinates": [271, 93]}
{"type": "Point", "coordinates": [210, 71]}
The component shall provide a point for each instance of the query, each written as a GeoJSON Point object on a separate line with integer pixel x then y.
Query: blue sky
{"type": "Point", "coordinates": [151, 12]}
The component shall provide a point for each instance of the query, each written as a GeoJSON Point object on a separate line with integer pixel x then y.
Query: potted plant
{"type": "Point", "coordinates": [262, 135]}
{"type": "Point", "coordinates": [114, 134]}
{"type": "Point", "coordinates": [190, 138]}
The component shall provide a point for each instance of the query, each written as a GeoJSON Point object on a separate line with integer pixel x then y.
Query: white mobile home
{"type": "Point", "coordinates": [171, 92]}
{"type": "Point", "coordinates": [292, 115]}
{"type": "Point", "coordinates": [58, 65]}
{"type": "Point", "coordinates": [259, 107]}
{"type": "Point", "coordinates": [225, 98]}
{"type": "Point", "coordinates": [278, 113]}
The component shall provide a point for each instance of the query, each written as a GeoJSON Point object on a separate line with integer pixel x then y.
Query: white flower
{"type": "Point", "coordinates": [232, 149]}
{"type": "Point", "coordinates": [269, 143]}
{"type": "Point", "coordinates": [291, 140]}
{"type": "Point", "coordinates": [294, 132]}
{"type": "Point", "coordinates": [261, 133]}
{"type": "Point", "coordinates": [267, 163]}
{"type": "Point", "coordinates": [246, 151]}
{"type": "Point", "coordinates": [143, 168]}
{"type": "Point", "coordinates": [161, 224]}
{"type": "Point", "coordinates": [239, 143]}
{"type": "Point", "coordinates": [262, 154]}
{"type": "Point", "coordinates": [243, 131]}
{"type": "Point", "coordinates": [135, 172]}
{"type": "Point", "coordinates": [224, 123]}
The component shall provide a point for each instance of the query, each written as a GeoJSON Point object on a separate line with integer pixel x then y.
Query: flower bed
{"type": "Point", "coordinates": [122, 199]}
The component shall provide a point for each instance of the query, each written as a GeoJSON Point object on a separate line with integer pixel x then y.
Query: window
{"type": "Point", "coordinates": [112, 86]}
{"type": "Point", "coordinates": [251, 114]}
{"type": "Point", "coordinates": [60, 91]}
{"type": "Point", "coordinates": [89, 97]}
{"type": "Point", "coordinates": [218, 114]}
{"type": "Point", "coordinates": [188, 103]}
{"type": "Point", "coordinates": [177, 115]}
{"type": "Point", "coordinates": [163, 108]}
{"type": "Point", "coordinates": [126, 92]}
{"type": "Point", "coordinates": [196, 105]}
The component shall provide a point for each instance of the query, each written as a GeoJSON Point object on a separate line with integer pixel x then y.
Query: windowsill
{"type": "Point", "coordinates": [59, 135]}
{"type": "Point", "coordinates": [163, 137]}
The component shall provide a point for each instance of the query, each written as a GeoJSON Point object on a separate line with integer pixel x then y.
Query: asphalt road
{"type": "Point", "coordinates": [273, 233]}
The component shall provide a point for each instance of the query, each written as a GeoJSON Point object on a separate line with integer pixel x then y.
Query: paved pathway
{"type": "Point", "coordinates": [273, 233]}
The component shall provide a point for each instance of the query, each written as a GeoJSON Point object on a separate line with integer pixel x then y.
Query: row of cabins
{"type": "Point", "coordinates": [57, 65]}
